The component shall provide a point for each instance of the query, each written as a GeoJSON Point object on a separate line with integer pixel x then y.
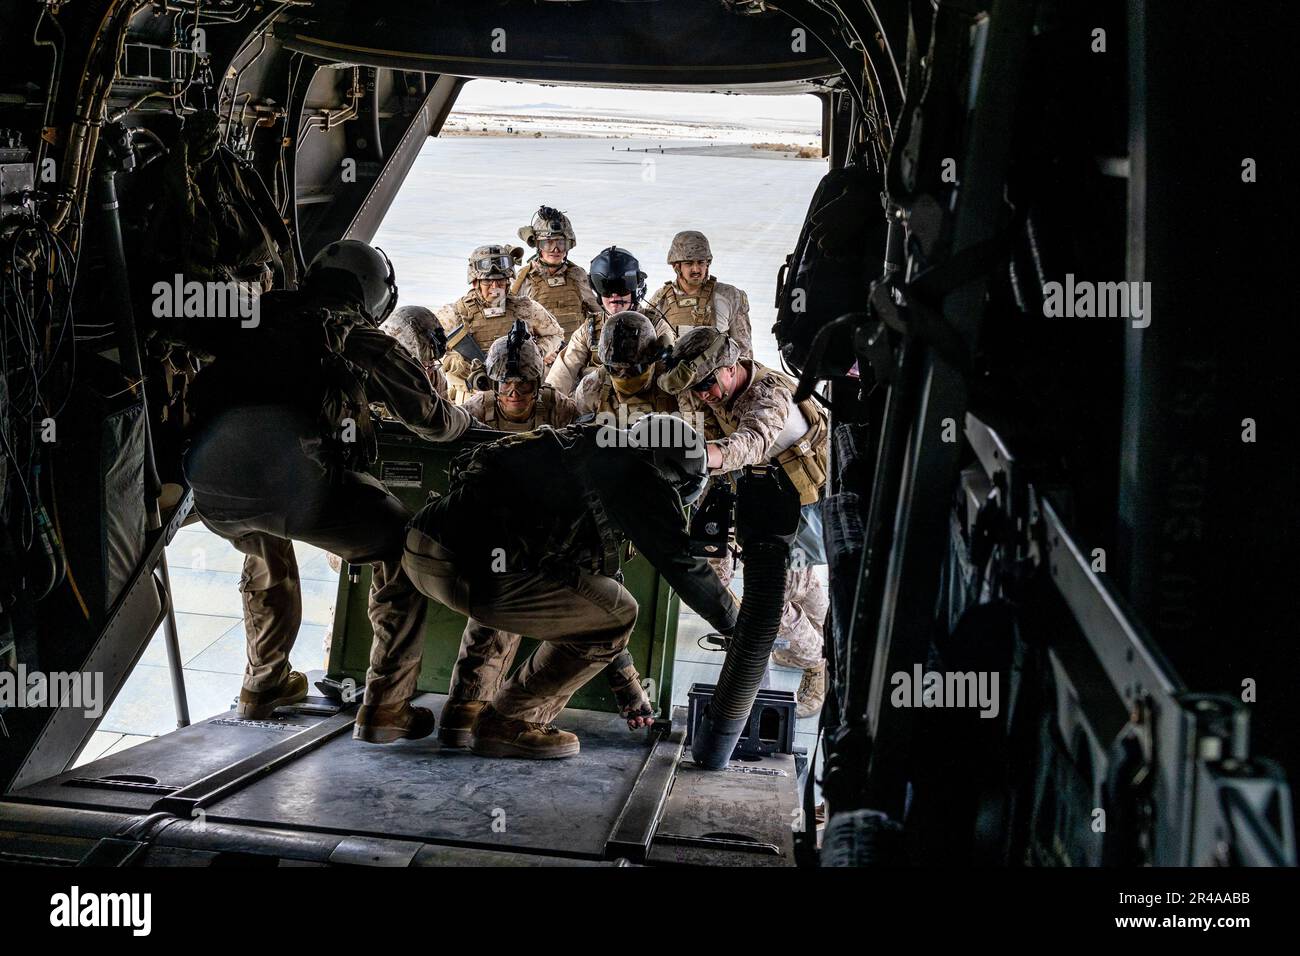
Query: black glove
{"type": "Point", "coordinates": [438, 339]}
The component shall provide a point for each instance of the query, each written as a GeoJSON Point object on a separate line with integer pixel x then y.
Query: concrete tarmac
{"type": "Point", "coordinates": [469, 191]}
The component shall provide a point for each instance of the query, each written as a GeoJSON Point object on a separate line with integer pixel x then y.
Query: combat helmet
{"type": "Point", "coordinates": [357, 270]}
{"type": "Point", "coordinates": [689, 245]}
{"type": "Point", "coordinates": [418, 331]}
{"type": "Point", "coordinates": [616, 271]}
{"type": "Point", "coordinates": [548, 223]}
{"type": "Point", "coordinates": [493, 262]}
{"type": "Point", "coordinates": [515, 356]}
{"type": "Point", "coordinates": [698, 353]}
{"type": "Point", "coordinates": [628, 343]}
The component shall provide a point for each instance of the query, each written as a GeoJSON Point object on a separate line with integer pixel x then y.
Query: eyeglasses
{"type": "Point", "coordinates": [704, 384]}
{"type": "Point", "coordinates": [516, 387]}
{"type": "Point", "coordinates": [553, 244]}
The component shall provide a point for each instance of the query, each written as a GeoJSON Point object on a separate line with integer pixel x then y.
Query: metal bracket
{"type": "Point", "coordinates": [634, 830]}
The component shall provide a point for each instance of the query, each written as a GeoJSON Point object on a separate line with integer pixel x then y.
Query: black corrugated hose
{"type": "Point", "coordinates": [767, 518]}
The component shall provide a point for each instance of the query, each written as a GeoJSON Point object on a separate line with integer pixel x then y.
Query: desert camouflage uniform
{"type": "Point", "coordinates": [547, 332]}
{"type": "Point", "coordinates": [597, 394]}
{"type": "Point", "coordinates": [486, 652]}
{"type": "Point", "coordinates": [757, 427]}
{"type": "Point", "coordinates": [564, 290]}
{"type": "Point", "coordinates": [803, 618]}
{"type": "Point", "coordinates": [552, 408]}
{"type": "Point", "coordinates": [579, 356]}
{"type": "Point", "coordinates": [717, 304]}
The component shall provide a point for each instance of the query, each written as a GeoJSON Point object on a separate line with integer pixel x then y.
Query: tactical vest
{"type": "Point", "coordinates": [295, 358]}
{"type": "Point", "coordinates": [485, 329]}
{"type": "Point", "coordinates": [559, 293]}
{"type": "Point", "coordinates": [591, 542]}
{"type": "Point", "coordinates": [599, 553]}
{"type": "Point", "coordinates": [345, 414]}
{"type": "Point", "coordinates": [806, 461]}
{"type": "Point", "coordinates": [543, 414]}
{"type": "Point", "coordinates": [638, 405]}
{"type": "Point", "coordinates": [684, 311]}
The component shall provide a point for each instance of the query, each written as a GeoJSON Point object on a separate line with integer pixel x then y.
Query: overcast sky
{"type": "Point", "coordinates": [495, 94]}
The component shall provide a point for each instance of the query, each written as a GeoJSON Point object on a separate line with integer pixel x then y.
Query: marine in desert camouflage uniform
{"type": "Point", "coordinates": [518, 401]}
{"type": "Point", "coordinates": [488, 311]}
{"type": "Point", "coordinates": [695, 298]}
{"type": "Point", "coordinates": [750, 418]}
{"type": "Point", "coordinates": [619, 285]}
{"type": "Point", "coordinates": [624, 386]}
{"type": "Point", "coordinates": [549, 277]}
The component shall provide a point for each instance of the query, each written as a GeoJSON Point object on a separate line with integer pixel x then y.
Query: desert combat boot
{"type": "Point", "coordinates": [498, 736]}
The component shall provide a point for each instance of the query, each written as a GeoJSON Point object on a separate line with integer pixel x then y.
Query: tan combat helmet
{"type": "Point", "coordinates": [522, 363]}
{"type": "Point", "coordinates": [494, 262]}
{"type": "Point", "coordinates": [418, 331]}
{"type": "Point", "coordinates": [697, 354]}
{"type": "Point", "coordinates": [628, 343]}
{"type": "Point", "coordinates": [548, 223]}
{"type": "Point", "coordinates": [688, 246]}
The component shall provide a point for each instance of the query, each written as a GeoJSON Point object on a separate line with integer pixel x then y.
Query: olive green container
{"type": "Point", "coordinates": [412, 468]}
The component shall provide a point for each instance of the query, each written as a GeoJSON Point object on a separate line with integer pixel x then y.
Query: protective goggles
{"type": "Point", "coordinates": [553, 243]}
{"type": "Point", "coordinates": [517, 387]}
{"type": "Point", "coordinates": [626, 369]}
{"type": "Point", "coordinates": [488, 263]}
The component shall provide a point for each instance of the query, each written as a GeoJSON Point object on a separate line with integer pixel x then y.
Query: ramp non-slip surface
{"type": "Point", "coordinates": [409, 789]}
{"type": "Point", "coordinates": [414, 789]}
{"type": "Point", "coordinates": [172, 761]}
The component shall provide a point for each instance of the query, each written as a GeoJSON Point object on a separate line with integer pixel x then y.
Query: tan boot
{"type": "Point", "coordinates": [456, 722]}
{"type": "Point", "coordinates": [384, 724]}
{"type": "Point", "coordinates": [260, 704]}
{"type": "Point", "coordinates": [812, 691]}
{"type": "Point", "coordinates": [497, 736]}
{"type": "Point", "coordinates": [781, 656]}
